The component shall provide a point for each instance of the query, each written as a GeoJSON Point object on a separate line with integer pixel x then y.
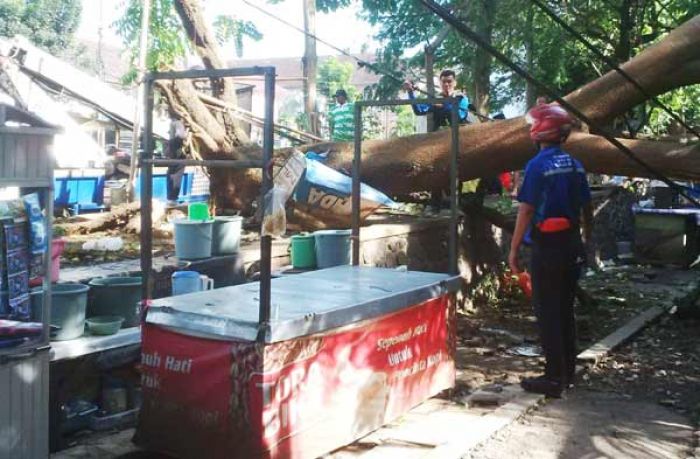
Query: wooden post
{"type": "Point", "coordinates": [309, 65]}
{"type": "Point", "coordinates": [141, 71]}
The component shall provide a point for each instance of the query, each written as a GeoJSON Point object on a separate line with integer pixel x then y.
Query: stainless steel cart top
{"type": "Point", "coordinates": [302, 304]}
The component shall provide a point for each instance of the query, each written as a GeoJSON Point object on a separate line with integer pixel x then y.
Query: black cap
{"type": "Point", "coordinates": [341, 93]}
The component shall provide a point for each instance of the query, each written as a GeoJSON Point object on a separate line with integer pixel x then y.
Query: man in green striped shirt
{"type": "Point", "coordinates": [341, 119]}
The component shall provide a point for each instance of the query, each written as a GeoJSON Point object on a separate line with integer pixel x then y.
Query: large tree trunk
{"type": "Point", "coordinates": [672, 63]}
{"type": "Point", "coordinates": [182, 94]}
{"type": "Point", "coordinates": [420, 162]}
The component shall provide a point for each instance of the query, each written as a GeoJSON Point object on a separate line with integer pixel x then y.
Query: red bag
{"type": "Point", "coordinates": [525, 283]}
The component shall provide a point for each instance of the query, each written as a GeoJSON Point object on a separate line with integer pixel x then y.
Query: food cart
{"type": "Point", "coordinates": [26, 162]}
{"type": "Point", "coordinates": [297, 366]}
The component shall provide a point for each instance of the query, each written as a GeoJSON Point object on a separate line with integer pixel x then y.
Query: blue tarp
{"type": "Point", "coordinates": [323, 186]}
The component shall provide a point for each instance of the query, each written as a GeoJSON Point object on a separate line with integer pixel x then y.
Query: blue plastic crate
{"type": "Point", "coordinates": [78, 190]}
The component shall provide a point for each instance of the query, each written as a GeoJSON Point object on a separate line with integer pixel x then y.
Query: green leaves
{"type": "Point", "coordinates": [49, 24]}
{"type": "Point", "coordinates": [231, 29]}
{"type": "Point", "coordinates": [333, 75]}
{"type": "Point", "coordinates": [167, 42]}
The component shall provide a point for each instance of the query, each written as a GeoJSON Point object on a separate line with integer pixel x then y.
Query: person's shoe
{"type": "Point", "coordinates": [542, 385]}
{"type": "Point", "coordinates": [171, 204]}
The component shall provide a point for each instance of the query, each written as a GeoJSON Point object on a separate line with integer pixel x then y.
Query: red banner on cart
{"type": "Point", "coordinates": [292, 399]}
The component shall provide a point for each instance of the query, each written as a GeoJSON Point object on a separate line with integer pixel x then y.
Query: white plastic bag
{"type": "Point", "coordinates": [275, 217]}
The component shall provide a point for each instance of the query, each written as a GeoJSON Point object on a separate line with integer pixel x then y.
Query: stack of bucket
{"type": "Point", "coordinates": [322, 249]}
{"type": "Point", "coordinates": [200, 236]}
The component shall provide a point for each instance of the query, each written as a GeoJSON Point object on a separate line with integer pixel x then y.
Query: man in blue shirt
{"type": "Point", "coordinates": [442, 114]}
{"type": "Point", "coordinates": [554, 201]}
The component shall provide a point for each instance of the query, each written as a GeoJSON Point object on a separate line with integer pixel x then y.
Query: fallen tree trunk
{"type": "Point", "coordinates": [671, 63]}
{"type": "Point", "coordinates": [419, 162]}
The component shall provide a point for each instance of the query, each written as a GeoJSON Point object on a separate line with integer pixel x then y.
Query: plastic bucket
{"type": "Point", "coordinates": [303, 251]}
{"type": "Point", "coordinates": [115, 296]}
{"type": "Point", "coordinates": [198, 211]}
{"type": "Point", "coordinates": [226, 235]}
{"type": "Point", "coordinates": [68, 303]}
{"type": "Point", "coordinates": [332, 248]}
{"type": "Point", "coordinates": [193, 239]}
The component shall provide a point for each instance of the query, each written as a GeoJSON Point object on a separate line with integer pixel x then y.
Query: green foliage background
{"type": "Point", "coordinates": [49, 24]}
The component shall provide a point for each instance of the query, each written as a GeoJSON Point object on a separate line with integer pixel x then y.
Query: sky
{"type": "Point", "coordinates": [341, 28]}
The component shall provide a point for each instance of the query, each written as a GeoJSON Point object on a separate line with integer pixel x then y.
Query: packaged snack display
{"type": "Point", "coordinates": [37, 225]}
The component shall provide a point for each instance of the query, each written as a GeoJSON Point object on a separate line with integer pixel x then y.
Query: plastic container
{"type": "Point", "coordinates": [303, 251]}
{"type": "Point", "coordinates": [76, 415]}
{"type": "Point", "coordinates": [226, 235]}
{"type": "Point", "coordinates": [101, 421]}
{"type": "Point", "coordinates": [115, 296]}
{"type": "Point", "coordinates": [117, 195]}
{"type": "Point", "coordinates": [57, 247]}
{"type": "Point", "coordinates": [193, 239]}
{"type": "Point", "coordinates": [198, 211]}
{"type": "Point", "coordinates": [190, 282]}
{"type": "Point", "coordinates": [104, 325]}
{"type": "Point", "coordinates": [332, 248]}
{"type": "Point", "coordinates": [68, 304]}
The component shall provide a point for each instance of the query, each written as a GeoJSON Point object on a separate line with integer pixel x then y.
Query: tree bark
{"type": "Point", "coordinates": [420, 162]}
{"type": "Point", "coordinates": [482, 59]}
{"type": "Point", "coordinates": [669, 64]}
{"type": "Point", "coordinates": [207, 48]}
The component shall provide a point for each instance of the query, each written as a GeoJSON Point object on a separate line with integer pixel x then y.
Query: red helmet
{"type": "Point", "coordinates": [549, 123]}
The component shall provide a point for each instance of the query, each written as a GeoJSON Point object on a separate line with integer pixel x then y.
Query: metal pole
{"type": "Point", "coordinates": [140, 72]}
{"type": "Point", "coordinates": [228, 163]}
{"type": "Point", "coordinates": [147, 192]}
{"type": "Point", "coordinates": [266, 241]}
{"type": "Point", "coordinates": [356, 183]}
{"type": "Point", "coordinates": [454, 187]}
{"type": "Point", "coordinates": [46, 304]}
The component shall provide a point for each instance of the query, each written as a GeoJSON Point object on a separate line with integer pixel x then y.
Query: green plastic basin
{"type": "Point", "coordinates": [104, 325]}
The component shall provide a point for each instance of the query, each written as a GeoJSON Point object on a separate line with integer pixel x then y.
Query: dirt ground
{"type": "Point", "coordinates": [491, 341]}
{"type": "Point", "coordinates": [640, 402]}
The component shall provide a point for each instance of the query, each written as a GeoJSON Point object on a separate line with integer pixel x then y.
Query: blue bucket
{"type": "Point", "coordinates": [193, 239]}
{"type": "Point", "coordinates": [332, 248]}
{"type": "Point", "coordinates": [226, 235]}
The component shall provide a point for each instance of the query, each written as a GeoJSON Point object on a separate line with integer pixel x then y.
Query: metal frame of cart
{"type": "Point", "coordinates": [148, 162]}
{"type": "Point", "coordinates": [454, 175]}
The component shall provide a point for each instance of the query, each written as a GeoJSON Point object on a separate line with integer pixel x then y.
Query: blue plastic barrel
{"type": "Point", "coordinates": [193, 239]}
{"type": "Point", "coordinates": [332, 248]}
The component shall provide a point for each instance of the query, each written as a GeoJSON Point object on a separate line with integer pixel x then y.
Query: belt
{"type": "Point", "coordinates": [554, 225]}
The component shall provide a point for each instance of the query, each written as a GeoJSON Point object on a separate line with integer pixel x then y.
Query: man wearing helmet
{"type": "Point", "coordinates": [554, 201]}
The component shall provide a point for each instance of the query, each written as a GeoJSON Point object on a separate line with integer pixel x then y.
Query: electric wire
{"type": "Point", "coordinates": [463, 29]}
{"type": "Point", "coordinates": [361, 62]}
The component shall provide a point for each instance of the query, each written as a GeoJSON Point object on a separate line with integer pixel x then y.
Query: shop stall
{"type": "Point", "coordinates": [297, 366]}
{"type": "Point", "coordinates": [26, 175]}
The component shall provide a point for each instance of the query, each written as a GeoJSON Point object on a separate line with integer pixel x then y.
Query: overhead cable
{"type": "Point", "coordinates": [361, 62]}
{"type": "Point", "coordinates": [612, 64]}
